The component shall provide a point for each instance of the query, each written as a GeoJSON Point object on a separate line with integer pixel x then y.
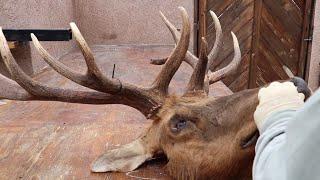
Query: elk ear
{"type": "Point", "coordinates": [126, 158]}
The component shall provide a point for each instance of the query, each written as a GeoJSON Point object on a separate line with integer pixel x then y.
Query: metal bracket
{"type": "Point", "coordinates": [196, 25]}
{"type": "Point", "coordinates": [23, 35]}
{"type": "Point", "coordinates": [308, 39]}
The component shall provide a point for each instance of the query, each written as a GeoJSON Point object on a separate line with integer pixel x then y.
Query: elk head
{"type": "Point", "coordinates": [201, 136]}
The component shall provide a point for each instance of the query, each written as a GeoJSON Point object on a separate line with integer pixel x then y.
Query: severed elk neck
{"type": "Point", "coordinates": [202, 137]}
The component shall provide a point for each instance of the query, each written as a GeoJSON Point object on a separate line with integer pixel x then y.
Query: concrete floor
{"type": "Point", "coordinates": [53, 140]}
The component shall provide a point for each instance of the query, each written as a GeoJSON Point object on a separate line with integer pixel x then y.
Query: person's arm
{"type": "Point", "coordinates": [303, 141]}
{"type": "Point", "coordinates": [269, 160]}
{"type": "Point", "coordinates": [277, 106]}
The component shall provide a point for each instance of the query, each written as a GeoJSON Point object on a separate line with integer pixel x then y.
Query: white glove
{"type": "Point", "coordinates": [275, 98]}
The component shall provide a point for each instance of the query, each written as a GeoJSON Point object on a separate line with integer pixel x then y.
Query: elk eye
{"type": "Point", "coordinates": [181, 124]}
{"type": "Point", "coordinates": [178, 124]}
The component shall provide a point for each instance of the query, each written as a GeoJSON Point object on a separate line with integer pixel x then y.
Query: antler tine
{"type": "Point", "coordinates": [84, 80]}
{"type": "Point", "coordinates": [88, 80]}
{"type": "Point", "coordinates": [190, 58]}
{"type": "Point", "coordinates": [231, 67]}
{"type": "Point", "coordinates": [33, 90]}
{"type": "Point", "coordinates": [16, 73]}
{"type": "Point", "coordinates": [197, 80]}
{"type": "Point", "coordinates": [175, 59]}
{"type": "Point", "coordinates": [94, 78]}
{"type": "Point", "coordinates": [136, 97]}
{"type": "Point", "coordinates": [174, 31]}
{"type": "Point", "coordinates": [112, 85]}
{"type": "Point", "coordinates": [218, 42]}
{"type": "Point", "coordinates": [12, 90]}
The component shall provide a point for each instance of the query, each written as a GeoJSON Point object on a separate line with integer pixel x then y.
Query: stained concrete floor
{"type": "Point", "coordinates": [54, 140]}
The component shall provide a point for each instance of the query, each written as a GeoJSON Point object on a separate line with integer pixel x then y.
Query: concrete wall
{"type": "Point", "coordinates": [315, 54]}
{"type": "Point", "coordinates": [35, 14]}
{"type": "Point", "coordinates": [100, 21]}
{"type": "Point", "coordinates": [129, 21]}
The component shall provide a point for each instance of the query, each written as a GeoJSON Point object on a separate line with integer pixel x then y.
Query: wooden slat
{"type": "Point", "coordinates": [287, 14]}
{"type": "Point", "coordinates": [231, 22]}
{"type": "Point", "coordinates": [303, 56]}
{"type": "Point", "coordinates": [241, 82]}
{"type": "Point", "coordinates": [237, 81]}
{"type": "Point", "coordinates": [288, 55]}
{"type": "Point", "coordinates": [237, 16]}
{"type": "Point", "coordinates": [219, 6]}
{"type": "Point", "coordinates": [203, 21]}
{"type": "Point", "coordinates": [300, 4]}
{"type": "Point", "coordinates": [279, 43]}
{"type": "Point", "coordinates": [245, 46]}
{"type": "Point", "coordinates": [269, 60]}
{"type": "Point", "coordinates": [255, 44]}
{"type": "Point", "coordinates": [276, 29]}
{"type": "Point", "coordinates": [226, 53]}
{"type": "Point", "coordinates": [232, 13]}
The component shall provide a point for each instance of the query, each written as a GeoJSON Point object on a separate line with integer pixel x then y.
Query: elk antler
{"type": "Point", "coordinates": [192, 60]}
{"type": "Point", "coordinates": [30, 89]}
{"type": "Point", "coordinates": [175, 59]}
{"type": "Point", "coordinates": [197, 80]}
{"type": "Point", "coordinates": [111, 91]}
{"type": "Point", "coordinates": [231, 67]}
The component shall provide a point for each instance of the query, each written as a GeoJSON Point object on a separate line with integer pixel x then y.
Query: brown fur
{"type": "Point", "coordinates": [209, 147]}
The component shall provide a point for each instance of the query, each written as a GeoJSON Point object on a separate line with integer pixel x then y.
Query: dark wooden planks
{"type": "Point", "coordinates": [279, 39]}
{"type": "Point", "coordinates": [276, 29]}
{"type": "Point", "coordinates": [300, 4]}
{"type": "Point", "coordinates": [236, 16]}
{"type": "Point", "coordinates": [287, 54]}
{"type": "Point", "coordinates": [305, 48]}
{"type": "Point", "coordinates": [255, 44]}
{"type": "Point", "coordinates": [239, 81]}
{"type": "Point", "coordinates": [219, 6]}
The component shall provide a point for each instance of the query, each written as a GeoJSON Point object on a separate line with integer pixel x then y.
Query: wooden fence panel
{"type": "Point", "coordinates": [270, 33]}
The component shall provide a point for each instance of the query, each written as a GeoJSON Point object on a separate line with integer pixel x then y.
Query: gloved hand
{"type": "Point", "coordinates": [275, 98]}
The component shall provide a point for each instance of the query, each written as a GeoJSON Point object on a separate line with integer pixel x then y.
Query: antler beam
{"type": "Point", "coordinates": [231, 67]}
{"type": "Point", "coordinates": [176, 57]}
{"type": "Point", "coordinates": [192, 60]}
{"type": "Point", "coordinates": [111, 91]}
{"type": "Point", "coordinates": [197, 80]}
